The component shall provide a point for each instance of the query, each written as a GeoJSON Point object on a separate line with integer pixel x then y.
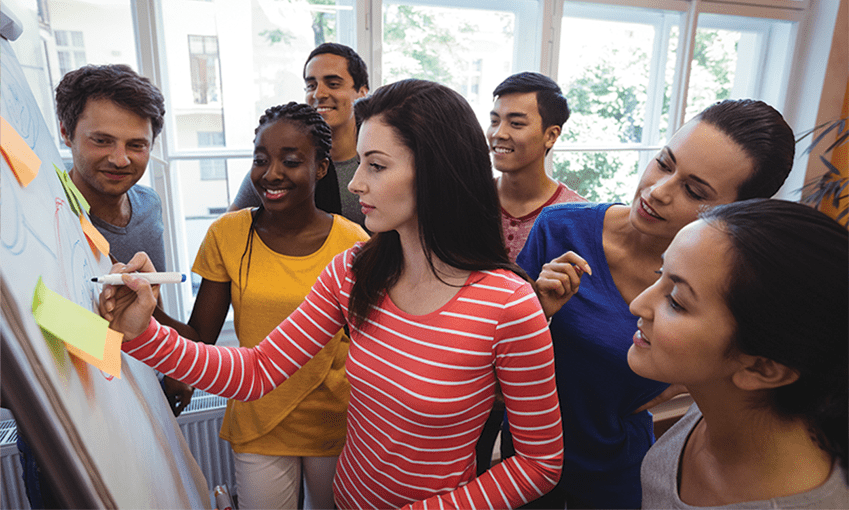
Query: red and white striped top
{"type": "Point", "coordinates": [422, 387]}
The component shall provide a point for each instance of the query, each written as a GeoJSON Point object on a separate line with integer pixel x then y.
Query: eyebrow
{"type": "Point", "coordinates": [101, 134]}
{"type": "Point", "coordinates": [510, 115]}
{"type": "Point", "coordinates": [376, 151]}
{"type": "Point", "coordinates": [681, 281]}
{"type": "Point", "coordinates": [691, 176]}
{"type": "Point", "coordinates": [325, 77]}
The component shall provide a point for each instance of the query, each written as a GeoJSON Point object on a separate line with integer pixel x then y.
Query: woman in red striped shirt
{"type": "Point", "coordinates": [439, 318]}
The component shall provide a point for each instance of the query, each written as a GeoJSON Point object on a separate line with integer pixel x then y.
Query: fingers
{"type": "Point", "coordinates": [140, 263]}
{"type": "Point", "coordinates": [559, 280]}
{"type": "Point", "coordinates": [143, 290]}
{"type": "Point", "coordinates": [574, 259]}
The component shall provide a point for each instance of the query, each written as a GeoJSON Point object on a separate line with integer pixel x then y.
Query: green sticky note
{"type": "Point", "coordinates": [72, 200]}
{"type": "Point", "coordinates": [75, 197]}
{"type": "Point", "coordinates": [69, 322]}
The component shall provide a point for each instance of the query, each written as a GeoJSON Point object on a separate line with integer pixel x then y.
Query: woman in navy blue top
{"type": "Point", "coordinates": [733, 150]}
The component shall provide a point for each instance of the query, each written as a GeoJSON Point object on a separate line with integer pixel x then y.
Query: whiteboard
{"type": "Point", "coordinates": [104, 442]}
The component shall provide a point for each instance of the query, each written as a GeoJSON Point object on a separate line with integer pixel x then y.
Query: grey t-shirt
{"type": "Point", "coordinates": [659, 477]}
{"type": "Point", "coordinates": [247, 197]}
{"type": "Point", "coordinates": [142, 233]}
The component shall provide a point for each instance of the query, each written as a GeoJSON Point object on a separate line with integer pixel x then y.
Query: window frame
{"type": "Point", "coordinates": [798, 101]}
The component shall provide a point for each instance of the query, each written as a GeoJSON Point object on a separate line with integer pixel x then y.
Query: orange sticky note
{"type": "Point", "coordinates": [95, 238]}
{"type": "Point", "coordinates": [21, 158]}
{"type": "Point", "coordinates": [111, 362]}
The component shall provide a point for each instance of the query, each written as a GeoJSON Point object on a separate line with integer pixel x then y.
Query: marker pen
{"type": "Point", "coordinates": [152, 278]}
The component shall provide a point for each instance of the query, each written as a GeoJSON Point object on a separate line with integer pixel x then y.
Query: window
{"type": "Point", "coordinates": [212, 169]}
{"type": "Point", "coordinates": [206, 82]}
{"type": "Point", "coordinates": [620, 62]}
{"type": "Point", "coordinates": [459, 44]}
{"type": "Point", "coordinates": [70, 50]}
{"type": "Point", "coordinates": [620, 68]}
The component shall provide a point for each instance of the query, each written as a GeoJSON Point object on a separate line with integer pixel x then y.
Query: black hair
{"type": "Point", "coordinates": [789, 294]}
{"type": "Point", "coordinates": [459, 216]}
{"type": "Point", "coordinates": [356, 66]}
{"type": "Point", "coordinates": [763, 135]}
{"type": "Point", "coordinates": [115, 82]}
{"type": "Point", "coordinates": [327, 188]}
{"type": "Point", "coordinates": [551, 103]}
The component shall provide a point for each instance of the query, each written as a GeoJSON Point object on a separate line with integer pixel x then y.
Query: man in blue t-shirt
{"type": "Point", "coordinates": [110, 116]}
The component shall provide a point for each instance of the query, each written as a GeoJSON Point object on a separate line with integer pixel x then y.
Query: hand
{"type": "Point", "coordinates": [559, 281]}
{"type": "Point", "coordinates": [670, 392]}
{"type": "Point", "coordinates": [179, 394]}
{"type": "Point", "coordinates": [128, 307]}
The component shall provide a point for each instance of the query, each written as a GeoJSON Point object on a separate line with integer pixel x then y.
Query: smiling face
{"type": "Point", "coordinates": [110, 147]}
{"type": "Point", "coordinates": [685, 327]}
{"type": "Point", "coordinates": [701, 166]}
{"type": "Point", "coordinates": [330, 89]}
{"type": "Point", "coordinates": [285, 169]}
{"type": "Point", "coordinates": [516, 138]}
{"type": "Point", "coordinates": [385, 181]}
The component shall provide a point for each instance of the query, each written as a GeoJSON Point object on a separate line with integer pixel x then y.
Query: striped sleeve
{"type": "Point", "coordinates": [525, 371]}
{"type": "Point", "coordinates": [248, 374]}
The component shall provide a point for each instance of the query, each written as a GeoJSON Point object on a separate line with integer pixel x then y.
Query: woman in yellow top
{"type": "Point", "coordinates": [264, 261]}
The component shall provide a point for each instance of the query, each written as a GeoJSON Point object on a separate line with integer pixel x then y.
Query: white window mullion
{"type": "Point", "coordinates": [681, 81]}
{"type": "Point", "coordinates": [151, 58]}
{"type": "Point", "coordinates": [551, 22]}
{"type": "Point", "coordinates": [370, 38]}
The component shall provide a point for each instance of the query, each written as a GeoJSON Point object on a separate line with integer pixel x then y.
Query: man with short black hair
{"type": "Point", "coordinates": [334, 77]}
{"type": "Point", "coordinates": [526, 121]}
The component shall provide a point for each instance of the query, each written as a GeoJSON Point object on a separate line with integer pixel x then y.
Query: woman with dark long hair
{"type": "Point", "coordinates": [749, 314]}
{"type": "Point", "coordinates": [438, 315]}
{"type": "Point", "coordinates": [733, 150]}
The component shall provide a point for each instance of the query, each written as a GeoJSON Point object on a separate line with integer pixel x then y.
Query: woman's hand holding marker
{"type": "Point", "coordinates": [128, 307]}
{"type": "Point", "coordinates": [559, 281]}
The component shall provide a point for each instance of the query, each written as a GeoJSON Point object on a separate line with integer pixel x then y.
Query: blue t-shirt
{"type": "Point", "coordinates": [604, 443]}
{"type": "Point", "coordinates": [143, 232]}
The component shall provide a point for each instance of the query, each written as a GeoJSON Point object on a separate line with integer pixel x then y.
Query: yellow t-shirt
{"type": "Point", "coordinates": [306, 415]}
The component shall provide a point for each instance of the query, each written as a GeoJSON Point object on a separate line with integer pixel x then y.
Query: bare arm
{"type": "Point", "coordinates": [210, 310]}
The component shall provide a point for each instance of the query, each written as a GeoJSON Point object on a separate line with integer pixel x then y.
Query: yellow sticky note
{"type": "Point", "coordinates": [95, 238]}
{"type": "Point", "coordinates": [21, 158]}
{"type": "Point", "coordinates": [68, 321]}
{"type": "Point", "coordinates": [111, 362]}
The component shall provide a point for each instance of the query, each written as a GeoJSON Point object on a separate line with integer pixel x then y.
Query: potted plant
{"type": "Point", "coordinates": [829, 191]}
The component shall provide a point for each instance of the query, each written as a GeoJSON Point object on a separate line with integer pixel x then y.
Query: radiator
{"type": "Point", "coordinates": [12, 493]}
{"type": "Point", "coordinates": [200, 423]}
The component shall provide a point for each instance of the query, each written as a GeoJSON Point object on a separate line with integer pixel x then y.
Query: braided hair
{"type": "Point", "coordinates": [326, 189]}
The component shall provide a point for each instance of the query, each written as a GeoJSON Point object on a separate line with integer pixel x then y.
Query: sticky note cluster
{"type": "Point", "coordinates": [78, 204]}
{"type": "Point", "coordinates": [86, 335]}
{"type": "Point", "coordinates": [21, 158]}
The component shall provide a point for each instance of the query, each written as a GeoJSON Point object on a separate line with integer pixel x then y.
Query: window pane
{"type": "Point", "coordinates": [732, 58]}
{"type": "Point", "coordinates": [613, 70]}
{"type": "Point", "coordinates": [469, 50]}
{"type": "Point", "coordinates": [602, 176]}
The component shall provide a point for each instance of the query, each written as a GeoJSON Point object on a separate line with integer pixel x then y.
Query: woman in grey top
{"type": "Point", "coordinates": [749, 314]}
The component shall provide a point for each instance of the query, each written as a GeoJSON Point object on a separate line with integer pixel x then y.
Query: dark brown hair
{"type": "Point", "coordinates": [115, 82]}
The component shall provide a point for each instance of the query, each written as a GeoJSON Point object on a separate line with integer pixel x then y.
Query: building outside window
{"type": "Point", "coordinates": [203, 59]}
{"type": "Point", "coordinates": [70, 50]}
